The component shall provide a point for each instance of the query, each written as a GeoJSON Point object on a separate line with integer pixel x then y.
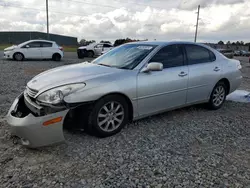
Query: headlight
{"type": "Point", "coordinates": [9, 50]}
{"type": "Point", "coordinates": [56, 95]}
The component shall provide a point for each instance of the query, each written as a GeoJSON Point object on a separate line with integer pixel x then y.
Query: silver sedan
{"type": "Point", "coordinates": [129, 82]}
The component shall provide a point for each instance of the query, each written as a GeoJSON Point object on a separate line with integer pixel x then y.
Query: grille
{"type": "Point", "coordinates": [31, 92]}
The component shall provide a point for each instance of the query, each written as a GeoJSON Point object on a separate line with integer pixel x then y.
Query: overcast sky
{"type": "Point", "coordinates": [139, 19]}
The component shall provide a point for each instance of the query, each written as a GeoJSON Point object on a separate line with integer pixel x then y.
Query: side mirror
{"type": "Point", "coordinates": [153, 66]}
{"type": "Point", "coordinates": [27, 46]}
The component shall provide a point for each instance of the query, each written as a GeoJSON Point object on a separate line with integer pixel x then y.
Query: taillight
{"type": "Point", "coordinates": [239, 66]}
{"type": "Point", "coordinates": [61, 48]}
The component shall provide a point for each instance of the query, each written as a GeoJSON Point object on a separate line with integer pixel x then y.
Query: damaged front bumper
{"type": "Point", "coordinates": [35, 128]}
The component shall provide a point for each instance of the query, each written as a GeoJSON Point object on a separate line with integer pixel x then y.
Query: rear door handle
{"type": "Point", "coordinates": [216, 69]}
{"type": "Point", "coordinates": [182, 74]}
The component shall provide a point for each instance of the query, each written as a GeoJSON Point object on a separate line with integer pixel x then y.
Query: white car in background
{"type": "Point", "coordinates": [106, 50]}
{"type": "Point", "coordinates": [94, 49]}
{"type": "Point", "coordinates": [34, 49]}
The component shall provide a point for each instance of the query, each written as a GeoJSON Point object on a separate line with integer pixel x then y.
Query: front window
{"type": "Point", "coordinates": [34, 45]}
{"type": "Point", "coordinates": [125, 57]}
{"type": "Point", "coordinates": [169, 56]}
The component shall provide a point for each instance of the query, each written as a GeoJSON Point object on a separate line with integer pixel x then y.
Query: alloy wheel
{"type": "Point", "coordinates": [219, 95]}
{"type": "Point", "coordinates": [18, 57]}
{"type": "Point", "coordinates": [110, 116]}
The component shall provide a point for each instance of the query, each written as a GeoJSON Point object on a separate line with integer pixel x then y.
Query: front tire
{"type": "Point", "coordinates": [80, 56]}
{"type": "Point", "coordinates": [18, 56]}
{"type": "Point", "coordinates": [218, 96]}
{"type": "Point", "coordinates": [109, 116]}
{"type": "Point", "coordinates": [90, 54]}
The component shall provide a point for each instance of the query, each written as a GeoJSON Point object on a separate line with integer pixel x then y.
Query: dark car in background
{"type": "Point", "coordinates": [244, 53]}
{"type": "Point", "coordinates": [227, 52]}
{"type": "Point", "coordinates": [237, 53]}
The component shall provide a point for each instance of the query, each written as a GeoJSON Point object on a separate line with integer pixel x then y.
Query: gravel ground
{"type": "Point", "coordinates": [190, 147]}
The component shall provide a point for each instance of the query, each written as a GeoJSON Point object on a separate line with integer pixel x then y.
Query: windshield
{"type": "Point", "coordinates": [127, 56]}
{"type": "Point", "coordinates": [21, 44]}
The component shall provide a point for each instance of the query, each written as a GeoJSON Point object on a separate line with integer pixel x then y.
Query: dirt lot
{"type": "Point", "coordinates": [190, 147]}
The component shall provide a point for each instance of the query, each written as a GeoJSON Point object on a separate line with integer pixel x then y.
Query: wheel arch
{"type": "Point", "coordinates": [90, 50]}
{"type": "Point", "coordinates": [226, 82]}
{"type": "Point", "coordinates": [56, 53]}
{"type": "Point", "coordinates": [13, 56]}
{"type": "Point", "coordinates": [76, 113]}
{"type": "Point", "coordinates": [129, 102]}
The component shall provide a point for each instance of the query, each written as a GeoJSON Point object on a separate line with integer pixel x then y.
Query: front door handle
{"type": "Point", "coordinates": [182, 74]}
{"type": "Point", "coordinates": [216, 69]}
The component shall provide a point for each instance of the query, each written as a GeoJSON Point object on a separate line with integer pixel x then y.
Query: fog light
{"type": "Point", "coordinates": [25, 142]}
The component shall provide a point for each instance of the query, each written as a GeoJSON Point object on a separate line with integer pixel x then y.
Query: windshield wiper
{"type": "Point", "coordinates": [113, 66]}
{"type": "Point", "coordinates": [123, 68]}
{"type": "Point", "coordinates": [104, 65]}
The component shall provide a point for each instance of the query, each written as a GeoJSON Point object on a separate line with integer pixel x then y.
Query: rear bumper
{"type": "Point", "coordinates": [31, 129]}
{"type": "Point", "coordinates": [62, 54]}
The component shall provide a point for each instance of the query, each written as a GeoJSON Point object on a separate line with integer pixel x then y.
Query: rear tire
{"type": "Point", "coordinates": [18, 56]}
{"type": "Point", "coordinates": [109, 116]}
{"type": "Point", "coordinates": [218, 96]}
{"type": "Point", "coordinates": [56, 57]}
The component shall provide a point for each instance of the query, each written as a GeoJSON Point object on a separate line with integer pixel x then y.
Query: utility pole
{"type": "Point", "coordinates": [197, 23]}
{"type": "Point", "coordinates": [47, 12]}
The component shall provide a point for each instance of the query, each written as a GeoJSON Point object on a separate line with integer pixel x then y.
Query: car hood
{"type": "Point", "coordinates": [82, 47]}
{"type": "Point", "coordinates": [88, 46]}
{"type": "Point", "coordinates": [69, 74]}
{"type": "Point", "coordinates": [10, 48]}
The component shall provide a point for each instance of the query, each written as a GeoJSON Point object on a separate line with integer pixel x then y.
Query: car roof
{"type": "Point", "coordinates": [163, 43]}
{"type": "Point", "coordinates": [40, 40]}
{"type": "Point", "coordinates": [105, 43]}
